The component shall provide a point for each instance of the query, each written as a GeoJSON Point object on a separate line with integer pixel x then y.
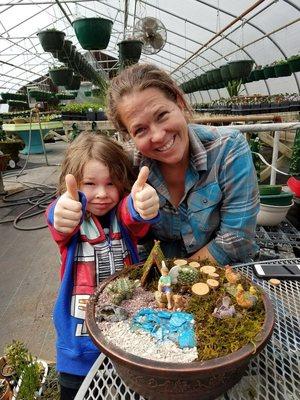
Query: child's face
{"type": "Point", "coordinates": [101, 193]}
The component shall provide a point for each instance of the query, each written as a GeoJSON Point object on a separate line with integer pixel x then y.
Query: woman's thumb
{"type": "Point", "coordinates": [71, 186]}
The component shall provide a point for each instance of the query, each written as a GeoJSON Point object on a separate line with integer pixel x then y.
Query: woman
{"type": "Point", "coordinates": [204, 176]}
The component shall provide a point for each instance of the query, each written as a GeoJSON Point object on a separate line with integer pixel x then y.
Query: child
{"type": "Point", "coordinates": [96, 229]}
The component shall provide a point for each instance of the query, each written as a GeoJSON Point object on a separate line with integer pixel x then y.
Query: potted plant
{"type": "Point", "coordinates": [51, 39]}
{"type": "Point", "coordinates": [240, 69]}
{"type": "Point", "coordinates": [282, 68]}
{"type": "Point", "coordinates": [5, 390]}
{"type": "Point", "coordinates": [294, 63]}
{"type": "Point", "coordinates": [75, 84]}
{"type": "Point", "coordinates": [93, 33]}
{"type": "Point", "coordinates": [269, 71]}
{"type": "Point", "coordinates": [233, 87]}
{"type": "Point", "coordinates": [130, 51]}
{"type": "Point", "coordinates": [258, 73]}
{"type": "Point", "coordinates": [61, 76]}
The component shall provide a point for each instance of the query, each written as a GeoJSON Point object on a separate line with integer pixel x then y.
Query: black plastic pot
{"type": "Point", "coordinates": [225, 72]}
{"type": "Point", "coordinates": [130, 51]}
{"type": "Point", "coordinates": [282, 70]}
{"type": "Point", "coordinates": [294, 64]}
{"type": "Point", "coordinates": [61, 76]}
{"type": "Point", "coordinates": [217, 75]}
{"type": "Point", "coordinates": [240, 69]}
{"type": "Point", "coordinates": [269, 72]}
{"type": "Point", "coordinates": [51, 40]}
{"type": "Point", "coordinates": [258, 74]}
{"type": "Point", "coordinates": [75, 83]}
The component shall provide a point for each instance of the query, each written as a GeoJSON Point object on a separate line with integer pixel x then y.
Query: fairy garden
{"type": "Point", "coordinates": [179, 310]}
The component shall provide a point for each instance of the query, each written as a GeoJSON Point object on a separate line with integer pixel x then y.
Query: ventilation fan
{"type": "Point", "coordinates": [152, 33]}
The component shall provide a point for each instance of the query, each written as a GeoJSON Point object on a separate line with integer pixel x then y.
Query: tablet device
{"type": "Point", "coordinates": [280, 271]}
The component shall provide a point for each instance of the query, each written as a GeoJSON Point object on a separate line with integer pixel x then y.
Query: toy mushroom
{"type": "Point", "coordinates": [164, 284]}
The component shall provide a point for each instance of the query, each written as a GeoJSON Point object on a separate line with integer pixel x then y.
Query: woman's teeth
{"type": "Point", "coordinates": [167, 146]}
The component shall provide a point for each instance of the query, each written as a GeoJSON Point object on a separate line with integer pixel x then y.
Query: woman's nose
{"type": "Point", "coordinates": [157, 134]}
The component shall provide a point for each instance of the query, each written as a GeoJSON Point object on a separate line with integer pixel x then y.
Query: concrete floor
{"type": "Point", "coordinates": [29, 264]}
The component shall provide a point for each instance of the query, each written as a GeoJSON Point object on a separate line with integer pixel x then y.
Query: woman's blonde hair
{"type": "Point", "coordinates": [95, 146]}
{"type": "Point", "coordinates": [137, 78]}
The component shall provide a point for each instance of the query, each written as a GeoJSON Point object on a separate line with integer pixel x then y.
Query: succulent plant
{"type": "Point", "coordinates": [121, 289]}
{"type": "Point", "coordinates": [187, 275]}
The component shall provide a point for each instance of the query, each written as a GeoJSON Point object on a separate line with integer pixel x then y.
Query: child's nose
{"type": "Point", "coordinates": [101, 192]}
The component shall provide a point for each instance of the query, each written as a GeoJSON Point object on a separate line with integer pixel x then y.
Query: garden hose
{"type": "Point", "coordinates": [40, 200]}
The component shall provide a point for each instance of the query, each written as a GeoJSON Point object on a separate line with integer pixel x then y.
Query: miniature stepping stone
{"type": "Point", "coordinates": [208, 269]}
{"type": "Point", "coordinates": [180, 262]}
{"type": "Point", "coordinates": [200, 289]}
{"type": "Point", "coordinates": [194, 264]}
{"type": "Point", "coordinates": [212, 283]}
{"type": "Point", "coordinates": [274, 281]}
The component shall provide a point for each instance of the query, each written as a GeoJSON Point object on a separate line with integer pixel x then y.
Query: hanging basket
{"type": "Point", "coordinates": [258, 74]}
{"type": "Point", "coordinates": [225, 73]}
{"type": "Point", "coordinates": [51, 40]}
{"type": "Point", "coordinates": [294, 63]}
{"type": "Point", "coordinates": [269, 71]}
{"type": "Point", "coordinates": [210, 77]}
{"type": "Point", "coordinates": [240, 69]}
{"type": "Point", "coordinates": [93, 33]}
{"type": "Point", "coordinates": [216, 73]}
{"type": "Point", "coordinates": [204, 80]}
{"type": "Point", "coordinates": [61, 76]}
{"type": "Point", "coordinates": [282, 69]}
{"type": "Point", "coordinates": [130, 51]}
{"type": "Point", "coordinates": [75, 84]}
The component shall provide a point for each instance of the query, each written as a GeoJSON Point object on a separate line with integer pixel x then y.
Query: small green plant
{"type": "Point", "coordinates": [17, 356]}
{"type": "Point", "coordinates": [233, 87]}
{"type": "Point", "coordinates": [30, 381]}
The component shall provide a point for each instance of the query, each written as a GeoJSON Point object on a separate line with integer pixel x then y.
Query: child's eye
{"type": "Point", "coordinates": [139, 131]}
{"type": "Point", "coordinates": [88, 183]}
{"type": "Point", "coordinates": [110, 184]}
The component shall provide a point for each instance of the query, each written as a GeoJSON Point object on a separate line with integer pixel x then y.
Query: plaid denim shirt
{"type": "Point", "coordinates": [220, 202]}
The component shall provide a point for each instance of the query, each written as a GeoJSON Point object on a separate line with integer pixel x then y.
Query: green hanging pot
{"type": "Point", "coordinates": [217, 75]}
{"type": "Point", "coordinates": [130, 51]}
{"type": "Point", "coordinates": [240, 69]}
{"type": "Point", "coordinates": [204, 80]}
{"type": "Point", "coordinates": [210, 77]}
{"type": "Point", "coordinates": [93, 33]}
{"type": "Point", "coordinates": [61, 76]}
{"type": "Point", "coordinates": [282, 69]}
{"type": "Point", "coordinates": [225, 73]}
{"type": "Point", "coordinates": [294, 63]}
{"type": "Point", "coordinates": [51, 40]}
{"type": "Point", "coordinates": [258, 74]}
{"type": "Point", "coordinates": [269, 71]}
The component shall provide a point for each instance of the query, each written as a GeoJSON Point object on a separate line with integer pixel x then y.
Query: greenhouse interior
{"type": "Point", "coordinates": [150, 199]}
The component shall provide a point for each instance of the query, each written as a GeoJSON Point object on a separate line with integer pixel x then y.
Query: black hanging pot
{"type": "Point", "coordinates": [282, 69]}
{"type": "Point", "coordinates": [75, 84]}
{"type": "Point", "coordinates": [294, 63]}
{"type": "Point", "coordinates": [130, 51]}
{"type": "Point", "coordinates": [269, 71]}
{"type": "Point", "coordinates": [217, 75]}
{"type": "Point", "coordinates": [51, 40]}
{"type": "Point", "coordinates": [240, 69]}
{"type": "Point", "coordinates": [61, 76]}
{"type": "Point", "coordinates": [93, 33]}
{"type": "Point", "coordinates": [225, 73]}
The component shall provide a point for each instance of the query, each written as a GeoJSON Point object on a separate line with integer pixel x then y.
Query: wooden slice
{"type": "Point", "coordinates": [180, 262]}
{"type": "Point", "coordinates": [214, 275]}
{"type": "Point", "coordinates": [208, 269]}
{"type": "Point", "coordinates": [200, 289]}
{"type": "Point", "coordinates": [194, 264]}
{"type": "Point", "coordinates": [274, 281]}
{"type": "Point", "coordinates": [212, 283]}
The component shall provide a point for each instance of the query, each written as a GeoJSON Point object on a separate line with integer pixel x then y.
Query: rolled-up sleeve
{"type": "Point", "coordinates": [235, 238]}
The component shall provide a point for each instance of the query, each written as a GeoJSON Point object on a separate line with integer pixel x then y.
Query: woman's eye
{"type": "Point", "coordinates": [162, 114]}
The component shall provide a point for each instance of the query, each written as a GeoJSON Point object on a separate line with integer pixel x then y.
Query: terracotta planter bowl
{"type": "Point", "coordinates": [191, 381]}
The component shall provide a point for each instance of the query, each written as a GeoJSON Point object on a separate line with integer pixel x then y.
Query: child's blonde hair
{"type": "Point", "coordinates": [95, 146]}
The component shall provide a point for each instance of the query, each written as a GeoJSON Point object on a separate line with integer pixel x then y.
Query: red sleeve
{"type": "Point", "coordinates": [136, 228]}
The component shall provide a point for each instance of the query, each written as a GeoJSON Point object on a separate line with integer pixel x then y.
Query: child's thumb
{"type": "Point", "coordinates": [141, 179]}
{"type": "Point", "coordinates": [71, 186]}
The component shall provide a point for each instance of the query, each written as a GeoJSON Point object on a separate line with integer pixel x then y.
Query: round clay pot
{"type": "Point", "coordinates": [155, 380]}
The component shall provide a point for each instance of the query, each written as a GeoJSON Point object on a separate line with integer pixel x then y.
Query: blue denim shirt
{"type": "Point", "coordinates": [220, 202]}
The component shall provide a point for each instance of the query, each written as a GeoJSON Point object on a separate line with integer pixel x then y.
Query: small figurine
{"type": "Point", "coordinates": [231, 276]}
{"type": "Point", "coordinates": [225, 310]}
{"type": "Point", "coordinates": [245, 299]}
{"type": "Point", "coordinates": [179, 302]}
{"type": "Point", "coordinates": [164, 284]}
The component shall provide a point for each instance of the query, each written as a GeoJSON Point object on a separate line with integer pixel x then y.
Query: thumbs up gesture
{"type": "Point", "coordinates": [144, 196]}
{"type": "Point", "coordinates": [67, 212]}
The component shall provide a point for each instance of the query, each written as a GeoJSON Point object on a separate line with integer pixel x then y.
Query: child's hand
{"type": "Point", "coordinates": [67, 212]}
{"type": "Point", "coordinates": [145, 198]}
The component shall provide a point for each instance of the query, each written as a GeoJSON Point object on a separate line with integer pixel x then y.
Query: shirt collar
{"type": "Point", "coordinates": [198, 153]}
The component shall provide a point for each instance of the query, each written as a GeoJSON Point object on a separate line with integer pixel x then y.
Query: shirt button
{"type": "Point", "coordinates": [205, 201]}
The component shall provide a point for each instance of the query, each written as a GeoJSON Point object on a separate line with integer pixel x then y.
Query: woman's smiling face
{"type": "Point", "coordinates": [156, 124]}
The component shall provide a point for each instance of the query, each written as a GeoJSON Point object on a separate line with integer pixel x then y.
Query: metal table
{"type": "Point", "coordinates": [273, 375]}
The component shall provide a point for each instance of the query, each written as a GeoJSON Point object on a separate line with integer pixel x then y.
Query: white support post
{"type": "Point", "coordinates": [274, 157]}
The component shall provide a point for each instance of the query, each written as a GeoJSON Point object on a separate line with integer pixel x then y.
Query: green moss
{"type": "Point", "coordinates": [220, 337]}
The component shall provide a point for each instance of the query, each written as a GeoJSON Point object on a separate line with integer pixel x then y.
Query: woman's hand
{"type": "Point", "coordinates": [144, 196]}
{"type": "Point", "coordinates": [68, 210]}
